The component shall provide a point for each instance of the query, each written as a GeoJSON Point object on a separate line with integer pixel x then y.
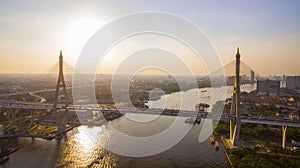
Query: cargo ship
{"type": "Point", "coordinates": [217, 145]}
{"type": "Point", "coordinates": [212, 139]}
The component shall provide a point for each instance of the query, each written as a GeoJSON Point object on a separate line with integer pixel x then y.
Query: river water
{"type": "Point", "coordinates": [206, 95]}
{"type": "Point", "coordinates": [76, 149]}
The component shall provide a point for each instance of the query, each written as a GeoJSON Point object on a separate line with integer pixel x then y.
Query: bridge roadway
{"type": "Point", "coordinates": [27, 92]}
{"type": "Point", "coordinates": [204, 115]}
{"type": "Point", "coordinates": [211, 116]}
{"type": "Point", "coordinates": [41, 91]}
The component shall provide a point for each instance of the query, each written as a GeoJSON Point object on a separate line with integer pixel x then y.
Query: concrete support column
{"type": "Point", "coordinates": [32, 117]}
{"type": "Point", "coordinates": [13, 116]}
{"type": "Point", "coordinates": [61, 119]}
{"type": "Point", "coordinates": [232, 123]}
{"type": "Point", "coordinates": [7, 114]}
{"type": "Point", "coordinates": [284, 128]}
{"type": "Point", "coordinates": [58, 120]}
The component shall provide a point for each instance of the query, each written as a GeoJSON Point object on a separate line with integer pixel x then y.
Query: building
{"type": "Point", "coordinates": [268, 87]}
{"type": "Point", "coordinates": [293, 82]}
{"type": "Point", "coordinates": [294, 115]}
{"type": "Point", "coordinates": [230, 80]}
{"type": "Point", "coordinates": [252, 76]}
{"type": "Point", "coordinates": [243, 79]}
{"type": "Point", "coordinates": [1, 129]}
{"type": "Point", "coordinates": [277, 78]}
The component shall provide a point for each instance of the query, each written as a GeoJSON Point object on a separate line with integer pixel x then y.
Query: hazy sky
{"type": "Point", "coordinates": [268, 31]}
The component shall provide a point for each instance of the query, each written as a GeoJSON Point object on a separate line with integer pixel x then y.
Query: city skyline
{"type": "Point", "coordinates": [268, 33]}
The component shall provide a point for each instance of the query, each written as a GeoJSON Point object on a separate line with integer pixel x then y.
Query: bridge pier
{"type": "Point", "coordinates": [232, 123]}
{"type": "Point", "coordinates": [32, 117]}
{"type": "Point", "coordinates": [13, 116]}
{"type": "Point", "coordinates": [284, 128]}
{"type": "Point", "coordinates": [61, 119]}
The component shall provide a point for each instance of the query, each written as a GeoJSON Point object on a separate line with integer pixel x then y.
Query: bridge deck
{"type": "Point", "coordinates": [170, 112]}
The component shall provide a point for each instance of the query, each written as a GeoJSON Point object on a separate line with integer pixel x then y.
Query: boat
{"type": "Point", "coordinates": [217, 145]}
{"type": "Point", "coordinates": [7, 151]}
{"type": "Point", "coordinates": [189, 120]}
{"type": "Point", "coordinates": [212, 139]}
{"type": "Point", "coordinates": [193, 120]}
{"type": "Point", "coordinates": [202, 91]}
{"type": "Point", "coordinates": [58, 137]}
{"type": "Point", "coordinates": [3, 159]}
{"type": "Point", "coordinates": [197, 121]}
{"type": "Point", "coordinates": [12, 149]}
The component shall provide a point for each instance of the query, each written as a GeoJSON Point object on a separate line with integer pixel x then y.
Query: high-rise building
{"type": "Point", "coordinates": [268, 88]}
{"type": "Point", "coordinates": [252, 76]}
{"type": "Point", "coordinates": [293, 82]}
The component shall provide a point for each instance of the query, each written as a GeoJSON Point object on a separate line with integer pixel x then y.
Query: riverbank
{"type": "Point", "coordinates": [80, 148]}
{"type": "Point", "coordinates": [246, 157]}
{"type": "Point", "coordinates": [43, 136]}
{"type": "Point", "coordinates": [7, 150]}
{"type": "Point", "coordinates": [227, 145]}
{"type": "Point", "coordinates": [7, 140]}
{"type": "Point", "coordinates": [256, 155]}
{"type": "Point", "coordinates": [47, 127]}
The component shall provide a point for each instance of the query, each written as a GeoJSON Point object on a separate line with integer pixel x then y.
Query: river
{"type": "Point", "coordinates": [77, 150]}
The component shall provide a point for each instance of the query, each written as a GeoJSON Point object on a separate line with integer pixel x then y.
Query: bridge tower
{"type": "Point", "coordinates": [284, 128]}
{"type": "Point", "coordinates": [235, 126]}
{"type": "Point", "coordinates": [62, 113]}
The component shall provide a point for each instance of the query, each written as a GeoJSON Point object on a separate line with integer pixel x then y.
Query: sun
{"type": "Point", "coordinates": [78, 33]}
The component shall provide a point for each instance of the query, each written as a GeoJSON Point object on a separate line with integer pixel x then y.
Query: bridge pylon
{"type": "Point", "coordinates": [235, 126]}
{"type": "Point", "coordinates": [63, 98]}
{"type": "Point", "coordinates": [284, 128]}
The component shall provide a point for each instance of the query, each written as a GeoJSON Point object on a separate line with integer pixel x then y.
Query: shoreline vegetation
{"type": "Point", "coordinates": [256, 151]}
{"type": "Point", "coordinates": [261, 145]}
{"type": "Point", "coordinates": [12, 139]}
